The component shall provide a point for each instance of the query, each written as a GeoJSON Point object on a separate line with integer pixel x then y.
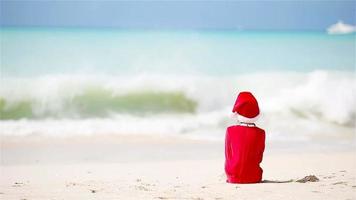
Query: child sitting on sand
{"type": "Point", "coordinates": [244, 143]}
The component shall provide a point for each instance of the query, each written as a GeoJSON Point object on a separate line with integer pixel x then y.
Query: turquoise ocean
{"type": "Point", "coordinates": [63, 82]}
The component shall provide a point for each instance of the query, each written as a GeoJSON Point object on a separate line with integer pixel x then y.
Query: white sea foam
{"type": "Point", "coordinates": [294, 105]}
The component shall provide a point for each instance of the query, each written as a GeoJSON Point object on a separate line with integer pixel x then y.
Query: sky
{"type": "Point", "coordinates": [245, 15]}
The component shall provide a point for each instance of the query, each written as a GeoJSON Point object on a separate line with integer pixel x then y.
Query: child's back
{"type": "Point", "coordinates": [244, 151]}
{"type": "Point", "coordinates": [244, 143]}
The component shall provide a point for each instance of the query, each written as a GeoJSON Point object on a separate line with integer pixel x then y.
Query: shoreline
{"type": "Point", "coordinates": [111, 148]}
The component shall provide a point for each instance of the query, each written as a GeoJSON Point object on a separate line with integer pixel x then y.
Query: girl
{"type": "Point", "coordinates": [244, 143]}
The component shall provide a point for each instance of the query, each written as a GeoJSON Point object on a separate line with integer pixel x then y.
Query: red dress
{"type": "Point", "coordinates": [244, 148]}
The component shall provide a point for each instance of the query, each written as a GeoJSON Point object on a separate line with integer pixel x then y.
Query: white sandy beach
{"type": "Point", "coordinates": [137, 167]}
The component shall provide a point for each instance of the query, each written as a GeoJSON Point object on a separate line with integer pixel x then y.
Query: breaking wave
{"type": "Point", "coordinates": [100, 102]}
{"type": "Point", "coordinates": [319, 102]}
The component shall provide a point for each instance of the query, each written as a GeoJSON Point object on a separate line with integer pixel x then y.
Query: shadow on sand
{"type": "Point", "coordinates": [276, 181]}
{"type": "Point", "coordinates": [310, 178]}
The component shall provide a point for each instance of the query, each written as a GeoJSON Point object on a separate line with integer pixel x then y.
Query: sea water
{"type": "Point", "coordinates": [63, 82]}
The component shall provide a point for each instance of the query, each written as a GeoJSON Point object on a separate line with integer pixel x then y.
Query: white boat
{"type": "Point", "coordinates": [341, 28]}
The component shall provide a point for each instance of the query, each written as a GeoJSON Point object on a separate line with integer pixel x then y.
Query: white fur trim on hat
{"type": "Point", "coordinates": [241, 118]}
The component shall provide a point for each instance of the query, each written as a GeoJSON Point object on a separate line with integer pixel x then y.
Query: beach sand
{"type": "Point", "coordinates": [147, 167]}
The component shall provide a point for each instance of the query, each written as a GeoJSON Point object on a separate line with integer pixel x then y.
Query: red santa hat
{"type": "Point", "coordinates": [246, 107]}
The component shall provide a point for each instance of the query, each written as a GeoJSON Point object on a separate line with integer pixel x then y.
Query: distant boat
{"type": "Point", "coordinates": [341, 28]}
